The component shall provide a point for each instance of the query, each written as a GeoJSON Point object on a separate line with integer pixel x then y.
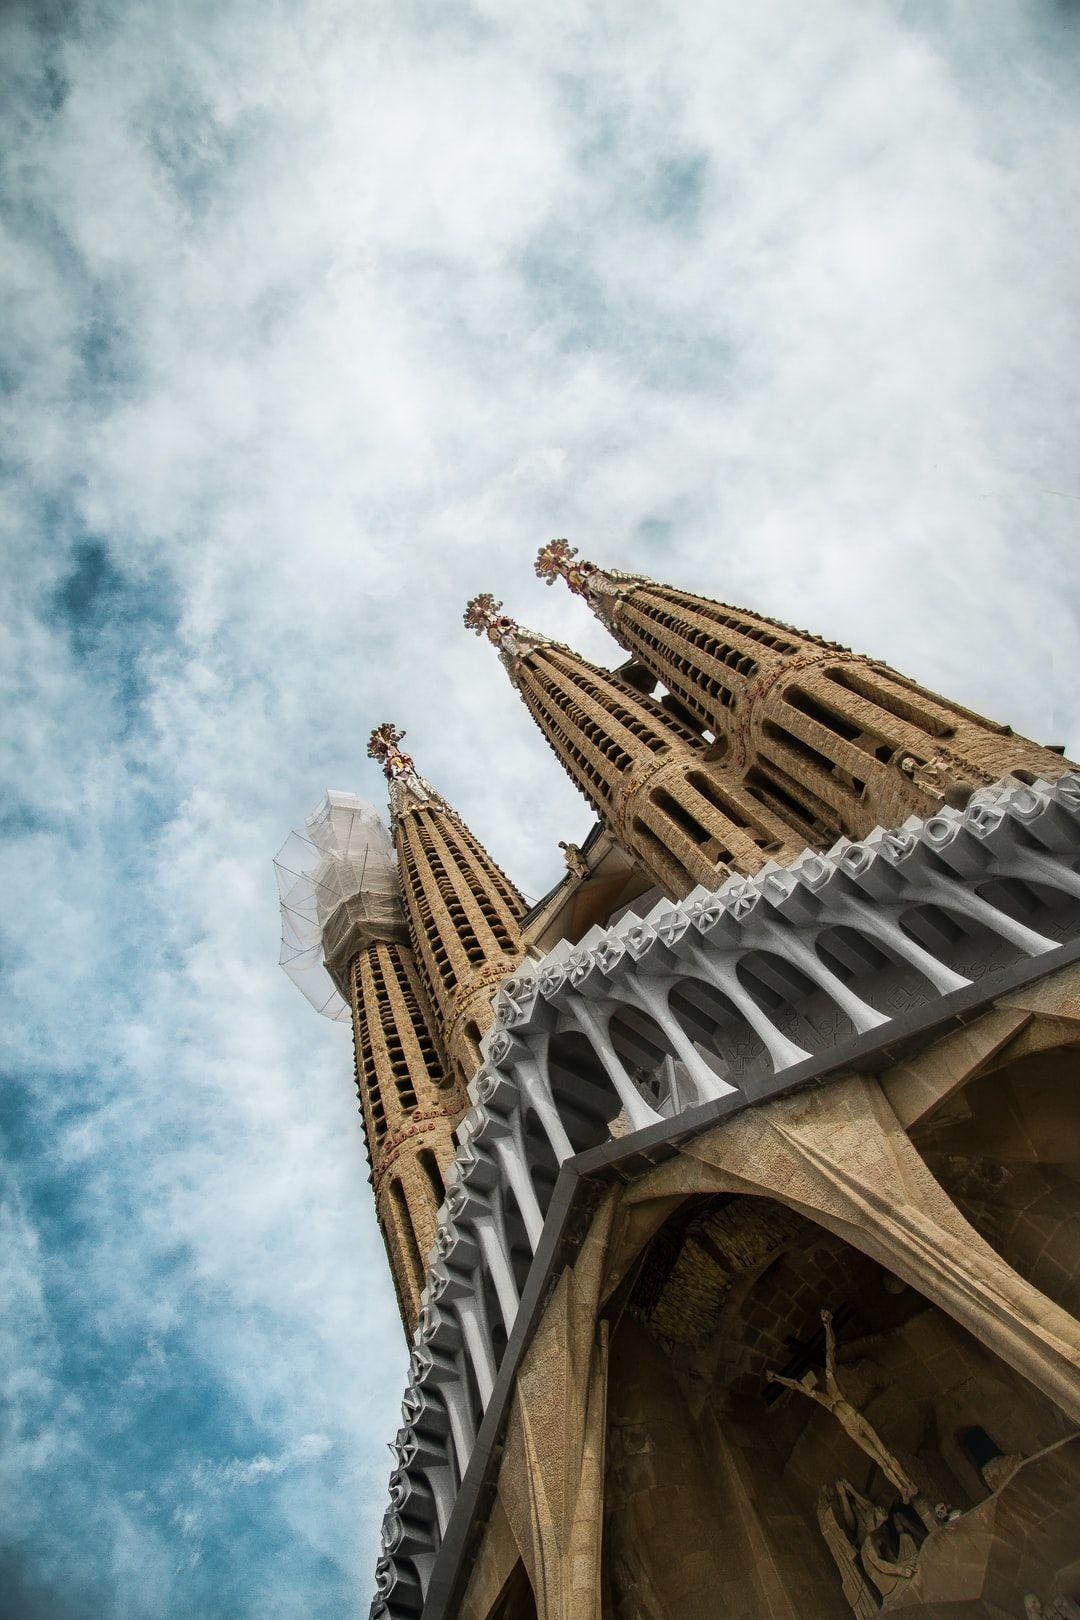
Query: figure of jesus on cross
{"type": "Point", "coordinates": [832, 1398]}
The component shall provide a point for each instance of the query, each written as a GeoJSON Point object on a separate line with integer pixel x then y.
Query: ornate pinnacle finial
{"type": "Point", "coordinates": [483, 615]}
{"type": "Point", "coordinates": [556, 560]}
{"type": "Point", "coordinates": [383, 746]}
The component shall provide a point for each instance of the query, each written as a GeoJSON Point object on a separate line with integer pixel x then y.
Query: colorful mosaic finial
{"type": "Point", "coordinates": [383, 746]}
{"type": "Point", "coordinates": [483, 615]}
{"type": "Point", "coordinates": [556, 560]}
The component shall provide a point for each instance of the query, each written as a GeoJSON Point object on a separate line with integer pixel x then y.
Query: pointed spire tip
{"type": "Point", "coordinates": [383, 747]}
{"type": "Point", "coordinates": [556, 561]}
{"type": "Point", "coordinates": [484, 615]}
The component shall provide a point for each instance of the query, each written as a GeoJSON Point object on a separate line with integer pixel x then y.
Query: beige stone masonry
{"type": "Point", "coordinates": [552, 1479]}
{"type": "Point", "coordinates": [838, 1154]}
{"type": "Point", "coordinates": [1038, 1019]}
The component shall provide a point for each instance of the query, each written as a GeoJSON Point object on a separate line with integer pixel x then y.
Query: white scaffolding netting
{"type": "Point", "coordinates": [338, 891]}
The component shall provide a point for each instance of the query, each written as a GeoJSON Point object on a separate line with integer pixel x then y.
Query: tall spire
{"type": "Point", "coordinates": [462, 909]}
{"type": "Point", "coordinates": [484, 615]}
{"type": "Point", "coordinates": [651, 778]}
{"type": "Point", "coordinates": [814, 729]}
{"type": "Point", "coordinates": [343, 926]}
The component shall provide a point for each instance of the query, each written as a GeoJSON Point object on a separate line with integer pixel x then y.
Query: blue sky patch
{"type": "Point", "coordinates": [322, 321]}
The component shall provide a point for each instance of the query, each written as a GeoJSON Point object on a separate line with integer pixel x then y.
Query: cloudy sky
{"type": "Point", "coordinates": [319, 318]}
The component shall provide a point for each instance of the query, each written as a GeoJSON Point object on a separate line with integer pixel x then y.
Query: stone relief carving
{"type": "Point", "coordinates": [1056, 1608]}
{"type": "Point", "coordinates": [876, 1550]}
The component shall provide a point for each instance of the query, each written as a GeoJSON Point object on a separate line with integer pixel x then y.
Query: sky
{"type": "Point", "coordinates": [321, 317]}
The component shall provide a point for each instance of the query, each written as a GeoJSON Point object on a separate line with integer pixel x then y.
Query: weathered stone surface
{"type": "Point", "coordinates": [688, 1531]}
{"type": "Point", "coordinates": [649, 1469]}
{"type": "Point", "coordinates": [918, 1087]}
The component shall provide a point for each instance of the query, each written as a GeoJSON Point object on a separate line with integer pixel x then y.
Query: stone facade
{"type": "Point", "coordinates": [710, 1491]}
{"type": "Point", "coordinates": [737, 1234]}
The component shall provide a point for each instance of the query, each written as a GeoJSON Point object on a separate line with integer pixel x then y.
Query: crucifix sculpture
{"type": "Point", "coordinates": [829, 1395]}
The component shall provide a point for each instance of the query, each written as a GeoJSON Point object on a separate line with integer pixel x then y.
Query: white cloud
{"type": "Point", "coordinates": [326, 317]}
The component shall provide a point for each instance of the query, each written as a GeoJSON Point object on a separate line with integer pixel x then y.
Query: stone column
{"type": "Point", "coordinates": [552, 1479]}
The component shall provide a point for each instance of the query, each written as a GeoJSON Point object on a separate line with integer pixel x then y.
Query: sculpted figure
{"type": "Point", "coordinates": [843, 1533]}
{"type": "Point", "coordinates": [575, 860]}
{"type": "Point", "coordinates": [1059, 1608]}
{"type": "Point", "coordinates": [887, 1569]}
{"type": "Point", "coordinates": [875, 1551]}
{"type": "Point", "coordinates": [832, 1398]}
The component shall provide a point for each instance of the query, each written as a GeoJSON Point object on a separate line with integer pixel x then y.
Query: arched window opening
{"type": "Point", "coordinates": [473, 1037]}
{"type": "Point", "coordinates": [406, 1235]}
{"type": "Point", "coordinates": [714, 793]}
{"type": "Point", "coordinates": [682, 817]}
{"type": "Point", "coordinates": [433, 1178]}
{"type": "Point", "coordinates": [875, 688]}
{"type": "Point", "coordinates": [772, 787]}
{"type": "Point", "coordinates": [651, 847]}
{"type": "Point", "coordinates": [798, 698]}
{"type": "Point", "coordinates": [807, 756]}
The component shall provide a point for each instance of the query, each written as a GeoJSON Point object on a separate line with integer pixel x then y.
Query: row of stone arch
{"type": "Point", "coordinates": [935, 1210]}
{"type": "Point", "coordinates": [710, 999]}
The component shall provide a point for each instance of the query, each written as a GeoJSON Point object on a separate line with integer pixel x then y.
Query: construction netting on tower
{"type": "Point", "coordinates": [338, 891]}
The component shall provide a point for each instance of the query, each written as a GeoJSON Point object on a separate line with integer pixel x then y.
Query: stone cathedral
{"type": "Point", "coordinates": [731, 1191]}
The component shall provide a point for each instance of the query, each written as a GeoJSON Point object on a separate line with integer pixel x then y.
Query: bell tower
{"type": "Point", "coordinates": [409, 1112]}
{"type": "Point", "coordinates": [463, 911]}
{"type": "Point", "coordinates": [648, 774]}
{"type": "Point", "coordinates": [345, 942]}
{"type": "Point", "coordinates": [845, 738]}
